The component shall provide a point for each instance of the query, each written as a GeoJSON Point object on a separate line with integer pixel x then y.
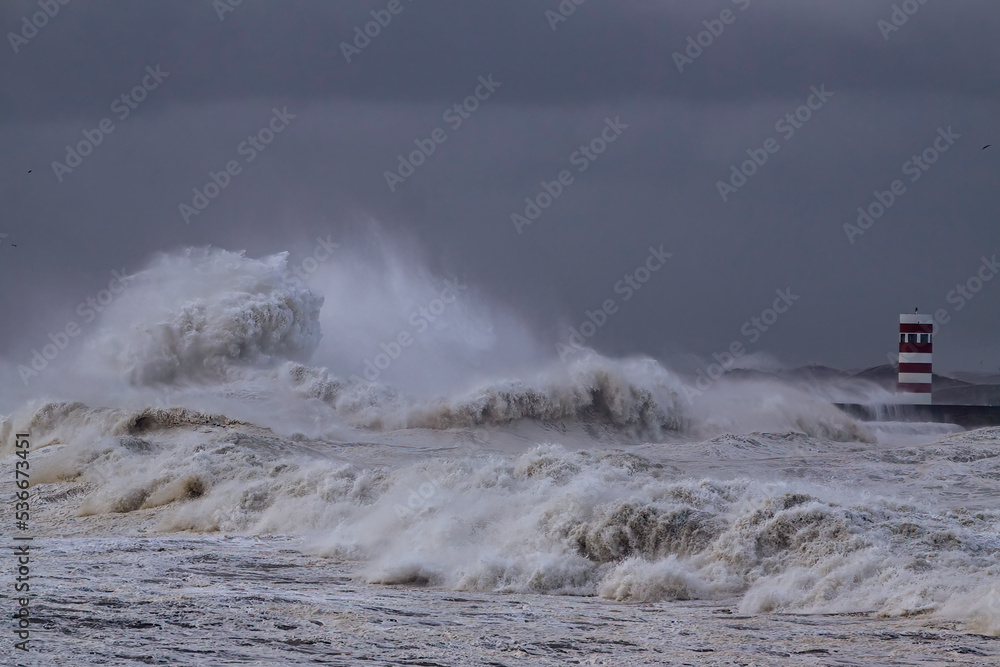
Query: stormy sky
{"type": "Point", "coordinates": [833, 100]}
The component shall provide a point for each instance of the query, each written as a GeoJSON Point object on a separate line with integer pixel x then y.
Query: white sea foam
{"type": "Point", "coordinates": [550, 520]}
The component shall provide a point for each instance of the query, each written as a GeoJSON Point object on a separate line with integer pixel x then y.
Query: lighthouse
{"type": "Point", "coordinates": [913, 400]}
{"type": "Point", "coordinates": [916, 334]}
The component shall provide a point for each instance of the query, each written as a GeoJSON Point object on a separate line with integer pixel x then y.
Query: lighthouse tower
{"type": "Point", "coordinates": [915, 346]}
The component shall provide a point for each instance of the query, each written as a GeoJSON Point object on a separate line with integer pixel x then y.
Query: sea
{"type": "Point", "coordinates": [372, 463]}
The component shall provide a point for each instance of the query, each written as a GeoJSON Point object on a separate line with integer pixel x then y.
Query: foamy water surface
{"type": "Point", "coordinates": [207, 493]}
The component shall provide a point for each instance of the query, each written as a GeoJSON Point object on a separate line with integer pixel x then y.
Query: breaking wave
{"type": "Point", "coordinates": [199, 314]}
{"type": "Point", "coordinates": [636, 395]}
{"type": "Point", "coordinates": [208, 327]}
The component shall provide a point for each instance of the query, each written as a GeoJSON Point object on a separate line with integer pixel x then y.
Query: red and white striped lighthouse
{"type": "Point", "coordinates": [916, 334]}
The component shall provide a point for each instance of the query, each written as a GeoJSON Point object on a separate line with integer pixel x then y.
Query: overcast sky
{"type": "Point", "coordinates": [680, 123]}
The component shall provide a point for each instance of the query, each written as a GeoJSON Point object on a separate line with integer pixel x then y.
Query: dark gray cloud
{"type": "Point", "coordinates": [656, 184]}
{"type": "Point", "coordinates": [603, 51]}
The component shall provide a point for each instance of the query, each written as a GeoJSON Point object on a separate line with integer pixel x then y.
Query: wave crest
{"type": "Point", "coordinates": [196, 315]}
{"type": "Point", "coordinates": [634, 395]}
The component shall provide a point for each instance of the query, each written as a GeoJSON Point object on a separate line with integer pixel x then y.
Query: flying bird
{"type": "Point", "coordinates": [987, 146]}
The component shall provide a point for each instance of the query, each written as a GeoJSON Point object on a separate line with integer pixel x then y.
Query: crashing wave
{"type": "Point", "coordinates": [200, 314]}
{"type": "Point", "coordinates": [635, 395]}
